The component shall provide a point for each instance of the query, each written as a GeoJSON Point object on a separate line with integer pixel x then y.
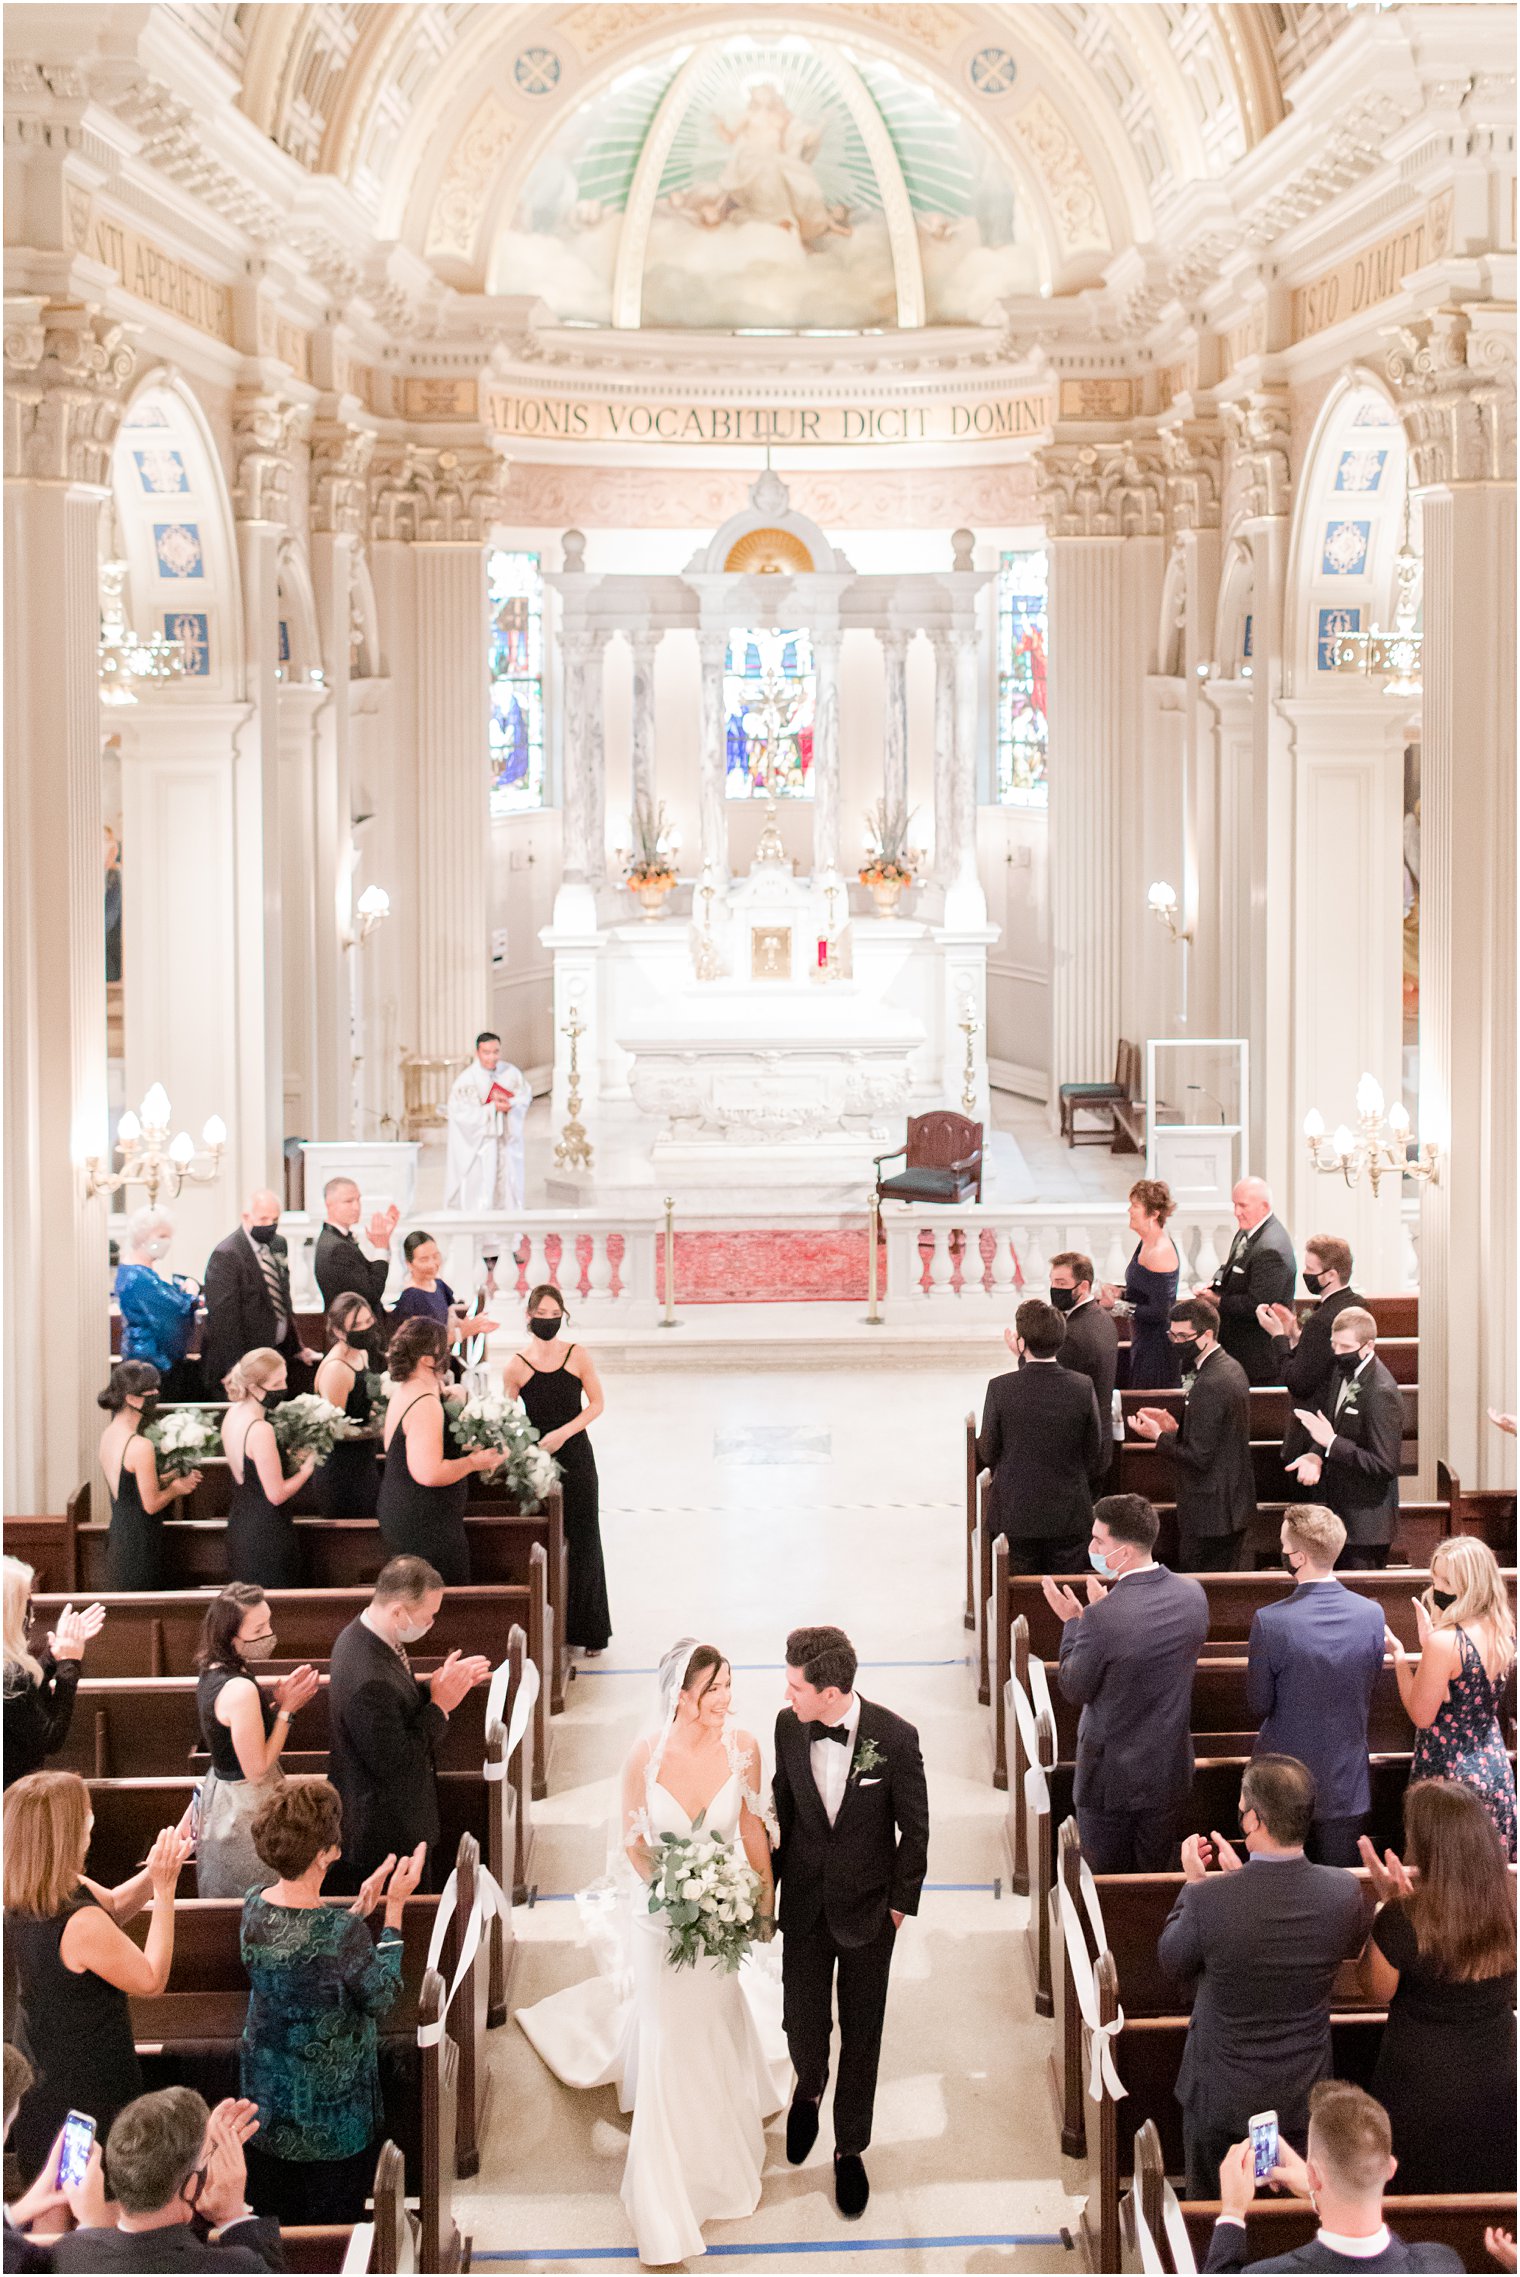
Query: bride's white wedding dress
{"type": "Point", "coordinates": [697, 2055]}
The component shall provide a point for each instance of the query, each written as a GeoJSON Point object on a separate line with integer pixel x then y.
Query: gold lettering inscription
{"type": "Point", "coordinates": [161, 279]}
{"type": "Point", "coordinates": [1365, 279]}
{"type": "Point", "coordinates": [994, 420]}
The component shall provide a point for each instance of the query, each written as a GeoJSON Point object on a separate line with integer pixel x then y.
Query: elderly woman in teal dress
{"type": "Point", "coordinates": [319, 1980]}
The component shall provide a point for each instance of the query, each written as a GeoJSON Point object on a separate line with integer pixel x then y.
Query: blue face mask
{"type": "Point", "coordinates": [1100, 1564]}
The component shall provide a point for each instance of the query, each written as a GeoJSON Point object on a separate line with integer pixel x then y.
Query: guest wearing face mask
{"type": "Point", "coordinates": [347, 1485]}
{"type": "Point", "coordinates": [387, 1723]}
{"type": "Point", "coordinates": [422, 1494]}
{"type": "Point", "coordinates": [1091, 1344]}
{"type": "Point", "coordinates": [244, 1730]}
{"type": "Point", "coordinates": [248, 1301]}
{"type": "Point", "coordinates": [1303, 1346]}
{"type": "Point", "coordinates": [1128, 1656]}
{"type": "Point", "coordinates": [1216, 1484]}
{"type": "Point", "coordinates": [262, 1544]}
{"type": "Point", "coordinates": [157, 1308]}
{"type": "Point", "coordinates": [1314, 1658]}
{"type": "Point", "coordinates": [557, 1383]}
{"type": "Point", "coordinates": [135, 1545]}
{"type": "Point", "coordinates": [1346, 1441]}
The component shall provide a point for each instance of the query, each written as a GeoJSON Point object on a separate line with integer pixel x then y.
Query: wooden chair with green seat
{"type": "Point", "coordinates": [943, 1162]}
{"type": "Point", "coordinates": [1097, 1099]}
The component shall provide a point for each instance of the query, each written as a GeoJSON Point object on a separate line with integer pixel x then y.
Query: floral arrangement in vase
{"type": "Point", "coordinates": [890, 860]}
{"type": "Point", "coordinates": [650, 871]}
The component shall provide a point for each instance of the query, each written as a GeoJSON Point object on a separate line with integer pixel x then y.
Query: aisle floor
{"type": "Point", "coordinates": [733, 1509]}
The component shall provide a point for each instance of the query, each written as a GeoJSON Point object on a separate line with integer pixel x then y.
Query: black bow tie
{"type": "Point", "coordinates": [816, 1732]}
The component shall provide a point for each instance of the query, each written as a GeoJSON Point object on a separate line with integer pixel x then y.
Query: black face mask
{"type": "Point", "coordinates": [264, 1233]}
{"type": "Point", "coordinates": [1348, 1362]}
{"type": "Point", "coordinates": [1443, 1599]}
{"type": "Point", "coordinates": [547, 1329]}
{"type": "Point", "coordinates": [1313, 1282]}
{"type": "Point", "coordinates": [1063, 1299]}
{"type": "Point", "coordinates": [1186, 1349]}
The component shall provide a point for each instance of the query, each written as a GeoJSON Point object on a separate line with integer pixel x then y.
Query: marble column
{"type": "Point", "coordinates": [1454, 377]}
{"type": "Point", "coordinates": [894, 727]}
{"type": "Point", "coordinates": [67, 371]}
{"type": "Point", "coordinates": [641, 749]}
{"type": "Point", "coordinates": [712, 648]}
{"type": "Point", "coordinates": [945, 756]}
{"type": "Point", "coordinates": [826, 644]}
{"type": "Point", "coordinates": [965, 903]}
{"type": "Point", "coordinates": [575, 650]}
{"type": "Point", "coordinates": [594, 757]}
{"type": "Point", "coordinates": [1102, 506]}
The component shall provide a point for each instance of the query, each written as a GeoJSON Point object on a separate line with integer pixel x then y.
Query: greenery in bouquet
{"type": "Point", "coordinates": [490, 1419]}
{"type": "Point", "coordinates": [710, 1896]}
{"type": "Point", "coordinates": [184, 1439]}
{"type": "Point", "coordinates": [379, 1388]}
{"type": "Point", "coordinates": [890, 859]}
{"type": "Point", "coordinates": [650, 863]}
{"type": "Point", "coordinates": [307, 1425]}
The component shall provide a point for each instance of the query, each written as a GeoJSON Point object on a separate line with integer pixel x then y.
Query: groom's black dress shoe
{"type": "Point", "coordinates": [852, 2187]}
{"type": "Point", "coordinates": [801, 2129]}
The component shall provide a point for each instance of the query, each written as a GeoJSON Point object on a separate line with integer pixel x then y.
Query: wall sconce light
{"type": "Point", "coordinates": [1370, 1149]}
{"type": "Point", "coordinates": [372, 909]}
{"type": "Point", "coordinates": [150, 1158]}
{"type": "Point", "coordinates": [1161, 901]}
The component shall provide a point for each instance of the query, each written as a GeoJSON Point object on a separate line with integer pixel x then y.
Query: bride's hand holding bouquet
{"type": "Point", "coordinates": [709, 1895]}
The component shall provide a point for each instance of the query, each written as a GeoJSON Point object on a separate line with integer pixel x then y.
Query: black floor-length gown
{"type": "Point", "coordinates": [262, 1543]}
{"type": "Point", "coordinates": [554, 1397]}
{"type": "Point", "coordinates": [135, 1545]}
{"type": "Point", "coordinates": [423, 1521]}
{"type": "Point", "coordinates": [347, 1485]}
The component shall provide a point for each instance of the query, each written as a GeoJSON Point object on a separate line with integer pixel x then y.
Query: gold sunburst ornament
{"type": "Point", "coordinates": [768, 553]}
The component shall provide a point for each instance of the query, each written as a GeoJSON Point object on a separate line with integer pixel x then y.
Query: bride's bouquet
{"type": "Point", "coordinates": [711, 1897]}
{"type": "Point", "coordinates": [490, 1419]}
{"type": "Point", "coordinates": [308, 1425]}
{"type": "Point", "coordinates": [184, 1439]}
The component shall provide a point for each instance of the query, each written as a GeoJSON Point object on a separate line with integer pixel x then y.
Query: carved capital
{"type": "Point", "coordinates": [1102, 490]}
{"type": "Point", "coordinates": [1260, 471]}
{"type": "Point", "coordinates": [340, 458]}
{"type": "Point", "coordinates": [421, 493]}
{"type": "Point", "coordinates": [1453, 375]}
{"type": "Point", "coordinates": [67, 371]}
{"type": "Point", "coordinates": [1193, 454]}
{"type": "Point", "coordinates": [266, 431]}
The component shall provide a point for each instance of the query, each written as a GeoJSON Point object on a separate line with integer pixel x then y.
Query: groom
{"type": "Point", "coordinates": [853, 1813]}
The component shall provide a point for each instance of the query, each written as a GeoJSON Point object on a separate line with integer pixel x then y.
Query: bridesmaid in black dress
{"type": "Point", "coordinates": [262, 1544]}
{"type": "Point", "coordinates": [347, 1485]}
{"type": "Point", "coordinates": [559, 1386]}
{"type": "Point", "coordinates": [135, 1549]}
{"type": "Point", "coordinates": [1150, 1290]}
{"type": "Point", "coordinates": [423, 1490]}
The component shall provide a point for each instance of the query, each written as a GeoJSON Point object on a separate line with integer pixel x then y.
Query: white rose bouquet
{"type": "Point", "coordinates": [184, 1439]}
{"type": "Point", "coordinates": [711, 1897]}
{"type": "Point", "coordinates": [490, 1419]}
{"type": "Point", "coordinates": [307, 1425]}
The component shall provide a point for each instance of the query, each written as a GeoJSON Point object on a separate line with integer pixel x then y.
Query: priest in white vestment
{"type": "Point", "coordinates": [488, 1108]}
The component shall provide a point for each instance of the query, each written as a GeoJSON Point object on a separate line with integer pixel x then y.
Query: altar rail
{"type": "Point", "coordinates": [935, 1257]}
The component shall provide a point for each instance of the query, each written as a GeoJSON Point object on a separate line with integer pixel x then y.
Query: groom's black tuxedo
{"type": "Point", "coordinates": [839, 1887]}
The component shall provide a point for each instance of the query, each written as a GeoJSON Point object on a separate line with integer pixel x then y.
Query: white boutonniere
{"type": "Point", "coordinates": [868, 1758]}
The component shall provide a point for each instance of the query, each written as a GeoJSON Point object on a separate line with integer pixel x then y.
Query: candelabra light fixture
{"type": "Point", "coordinates": [1161, 901]}
{"type": "Point", "coordinates": [371, 909]}
{"type": "Point", "coordinates": [122, 658]}
{"type": "Point", "coordinates": [150, 1158]}
{"type": "Point", "coordinates": [1392, 657]}
{"type": "Point", "coordinates": [573, 1149]}
{"type": "Point", "coordinates": [1371, 1150]}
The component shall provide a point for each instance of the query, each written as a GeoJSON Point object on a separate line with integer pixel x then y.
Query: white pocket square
{"type": "Point", "coordinates": [869, 1782]}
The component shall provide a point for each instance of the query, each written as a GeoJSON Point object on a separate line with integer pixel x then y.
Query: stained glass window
{"type": "Point", "coordinates": [516, 587]}
{"type": "Point", "coordinates": [1023, 623]}
{"type": "Point", "coordinates": [768, 693]}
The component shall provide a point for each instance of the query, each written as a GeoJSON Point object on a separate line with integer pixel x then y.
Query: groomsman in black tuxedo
{"type": "Point", "coordinates": [1091, 1344]}
{"type": "Point", "coordinates": [1303, 1346]}
{"type": "Point", "coordinates": [1216, 1483]}
{"type": "Point", "coordinates": [852, 1807]}
{"type": "Point", "coordinates": [1045, 1444]}
{"type": "Point", "coordinates": [340, 1265]}
{"type": "Point", "coordinates": [1259, 1270]}
{"type": "Point", "coordinates": [1345, 1443]}
{"type": "Point", "coordinates": [248, 1300]}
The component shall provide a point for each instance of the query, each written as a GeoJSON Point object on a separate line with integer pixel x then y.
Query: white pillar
{"type": "Point", "coordinates": [945, 756]}
{"type": "Point", "coordinates": [594, 756]}
{"type": "Point", "coordinates": [259, 822]}
{"type": "Point", "coordinates": [644, 644]}
{"type": "Point", "coordinates": [712, 648]}
{"type": "Point", "coordinates": [314, 1055]}
{"type": "Point", "coordinates": [894, 740]}
{"type": "Point", "coordinates": [67, 371]}
{"type": "Point", "coordinates": [1455, 375]}
{"type": "Point", "coordinates": [453, 806]}
{"type": "Point", "coordinates": [825, 751]}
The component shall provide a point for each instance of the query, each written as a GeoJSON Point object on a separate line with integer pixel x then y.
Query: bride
{"type": "Point", "coordinates": [697, 2054]}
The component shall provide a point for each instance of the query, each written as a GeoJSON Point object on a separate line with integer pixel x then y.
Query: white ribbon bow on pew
{"type": "Point", "coordinates": [1101, 2072]}
{"type": "Point", "coordinates": [491, 1903]}
{"type": "Point", "coordinates": [523, 1704]}
{"type": "Point", "coordinates": [1036, 1785]}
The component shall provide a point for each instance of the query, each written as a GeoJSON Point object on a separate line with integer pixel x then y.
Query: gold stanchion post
{"type": "Point", "coordinates": [873, 1242]}
{"type": "Point", "coordinates": [670, 1320]}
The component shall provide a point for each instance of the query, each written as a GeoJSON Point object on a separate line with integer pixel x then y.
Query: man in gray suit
{"type": "Point", "coordinates": [1259, 1270]}
{"type": "Point", "coordinates": [1128, 1655]}
{"type": "Point", "coordinates": [1260, 1945]}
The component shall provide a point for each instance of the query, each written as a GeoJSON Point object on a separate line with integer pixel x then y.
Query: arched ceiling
{"type": "Point", "coordinates": [1077, 124]}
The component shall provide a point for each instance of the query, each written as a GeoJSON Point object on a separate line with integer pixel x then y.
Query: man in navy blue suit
{"type": "Point", "coordinates": [1314, 1659]}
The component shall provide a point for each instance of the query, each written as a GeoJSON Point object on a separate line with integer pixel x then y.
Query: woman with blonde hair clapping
{"type": "Point", "coordinates": [1451, 1690]}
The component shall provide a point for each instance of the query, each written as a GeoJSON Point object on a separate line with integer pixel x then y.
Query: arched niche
{"type": "Point", "coordinates": [1234, 619]}
{"type": "Point", "coordinates": [1347, 529]}
{"type": "Point", "coordinates": [300, 644]}
{"type": "Point", "coordinates": [769, 537]}
{"type": "Point", "coordinates": [1171, 622]}
{"type": "Point", "coordinates": [174, 524]}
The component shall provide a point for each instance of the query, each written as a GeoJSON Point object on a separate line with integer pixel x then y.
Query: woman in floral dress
{"type": "Point", "coordinates": [1452, 1690]}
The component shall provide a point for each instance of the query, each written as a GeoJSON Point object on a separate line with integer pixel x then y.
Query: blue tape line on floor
{"type": "Point", "coordinates": [809, 2245]}
{"type": "Point", "coordinates": [564, 1897]}
{"type": "Point", "coordinates": [762, 1667]}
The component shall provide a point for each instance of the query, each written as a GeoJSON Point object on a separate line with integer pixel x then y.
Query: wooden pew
{"type": "Point", "coordinates": [1272, 1408]}
{"type": "Point", "coordinates": [1280, 2225]}
{"type": "Point", "coordinates": [1486, 1511]}
{"type": "Point", "coordinates": [325, 2246]}
{"type": "Point", "coordinates": [157, 1636]}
